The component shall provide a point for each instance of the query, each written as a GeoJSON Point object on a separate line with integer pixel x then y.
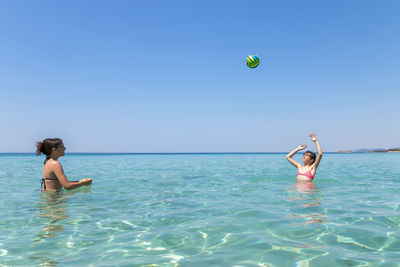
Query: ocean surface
{"type": "Point", "coordinates": [202, 210]}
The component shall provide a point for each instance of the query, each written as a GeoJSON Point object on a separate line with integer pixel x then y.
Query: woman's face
{"type": "Point", "coordinates": [61, 150]}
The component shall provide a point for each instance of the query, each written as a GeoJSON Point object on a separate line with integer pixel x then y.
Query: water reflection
{"type": "Point", "coordinates": [306, 202]}
{"type": "Point", "coordinates": [53, 208]}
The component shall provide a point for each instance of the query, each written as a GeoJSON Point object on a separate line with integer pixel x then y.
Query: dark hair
{"type": "Point", "coordinates": [311, 154]}
{"type": "Point", "coordinates": [47, 145]}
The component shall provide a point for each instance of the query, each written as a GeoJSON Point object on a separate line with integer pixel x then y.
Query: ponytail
{"type": "Point", "coordinates": [39, 148]}
{"type": "Point", "coordinates": [46, 146]}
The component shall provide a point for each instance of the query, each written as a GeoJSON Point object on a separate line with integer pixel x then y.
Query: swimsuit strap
{"type": "Point", "coordinates": [43, 181]}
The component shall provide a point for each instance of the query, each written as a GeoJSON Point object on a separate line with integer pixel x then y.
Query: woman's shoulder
{"type": "Point", "coordinates": [53, 164]}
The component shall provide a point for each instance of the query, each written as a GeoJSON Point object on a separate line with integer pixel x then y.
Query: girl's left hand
{"type": "Point", "coordinates": [86, 181]}
{"type": "Point", "coordinates": [301, 147]}
{"type": "Point", "coordinates": [313, 137]}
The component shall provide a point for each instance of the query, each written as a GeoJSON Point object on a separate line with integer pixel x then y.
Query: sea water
{"type": "Point", "coordinates": [202, 210]}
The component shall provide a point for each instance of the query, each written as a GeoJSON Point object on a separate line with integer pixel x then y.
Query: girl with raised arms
{"type": "Point", "coordinates": [311, 161]}
{"type": "Point", "coordinates": [54, 178]}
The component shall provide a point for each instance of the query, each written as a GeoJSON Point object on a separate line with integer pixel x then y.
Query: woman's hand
{"type": "Point", "coordinates": [313, 137]}
{"type": "Point", "coordinates": [301, 147]}
{"type": "Point", "coordinates": [86, 181]}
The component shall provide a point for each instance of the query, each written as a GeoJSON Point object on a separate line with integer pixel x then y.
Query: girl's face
{"type": "Point", "coordinates": [307, 159]}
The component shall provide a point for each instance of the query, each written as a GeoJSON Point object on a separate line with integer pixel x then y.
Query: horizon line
{"type": "Point", "coordinates": [161, 153]}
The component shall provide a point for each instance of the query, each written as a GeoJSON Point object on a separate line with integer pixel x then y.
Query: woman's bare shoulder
{"type": "Point", "coordinates": [53, 164]}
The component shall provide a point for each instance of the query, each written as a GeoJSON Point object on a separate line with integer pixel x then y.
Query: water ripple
{"type": "Point", "coordinates": [203, 210]}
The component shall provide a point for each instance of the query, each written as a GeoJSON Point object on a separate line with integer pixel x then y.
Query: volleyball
{"type": "Point", "coordinates": [252, 61]}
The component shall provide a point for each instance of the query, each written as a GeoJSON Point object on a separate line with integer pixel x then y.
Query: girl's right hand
{"type": "Point", "coordinates": [301, 147]}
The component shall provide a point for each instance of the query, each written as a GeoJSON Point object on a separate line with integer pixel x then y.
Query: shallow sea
{"type": "Point", "coordinates": [202, 210]}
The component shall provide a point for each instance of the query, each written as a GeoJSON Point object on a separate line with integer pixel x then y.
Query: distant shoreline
{"type": "Point", "coordinates": [372, 151]}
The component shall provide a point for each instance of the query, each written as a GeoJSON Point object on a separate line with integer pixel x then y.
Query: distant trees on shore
{"type": "Point", "coordinates": [397, 149]}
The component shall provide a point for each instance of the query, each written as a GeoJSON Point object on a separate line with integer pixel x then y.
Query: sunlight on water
{"type": "Point", "coordinates": [202, 210]}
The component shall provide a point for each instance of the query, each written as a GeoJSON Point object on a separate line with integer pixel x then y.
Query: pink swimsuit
{"type": "Point", "coordinates": [306, 174]}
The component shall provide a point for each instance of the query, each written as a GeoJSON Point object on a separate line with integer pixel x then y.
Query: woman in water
{"type": "Point", "coordinates": [54, 178]}
{"type": "Point", "coordinates": [307, 171]}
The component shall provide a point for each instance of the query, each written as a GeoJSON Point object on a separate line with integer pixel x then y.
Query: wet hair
{"type": "Point", "coordinates": [46, 146]}
{"type": "Point", "coordinates": [311, 154]}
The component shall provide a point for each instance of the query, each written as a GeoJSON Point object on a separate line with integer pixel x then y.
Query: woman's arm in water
{"type": "Point", "coordinates": [59, 172]}
{"type": "Point", "coordinates": [318, 159]}
{"type": "Point", "coordinates": [290, 155]}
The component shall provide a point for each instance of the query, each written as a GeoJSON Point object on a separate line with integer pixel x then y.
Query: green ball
{"type": "Point", "coordinates": [252, 61]}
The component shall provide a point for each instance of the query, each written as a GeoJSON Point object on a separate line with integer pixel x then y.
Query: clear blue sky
{"type": "Point", "coordinates": [170, 76]}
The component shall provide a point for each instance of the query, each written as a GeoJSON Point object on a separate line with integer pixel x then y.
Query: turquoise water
{"type": "Point", "coordinates": [202, 210]}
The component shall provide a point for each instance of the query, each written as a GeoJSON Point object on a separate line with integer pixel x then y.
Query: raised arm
{"type": "Point", "coordinates": [59, 172]}
{"type": "Point", "coordinates": [290, 155]}
{"type": "Point", "coordinates": [319, 156]}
